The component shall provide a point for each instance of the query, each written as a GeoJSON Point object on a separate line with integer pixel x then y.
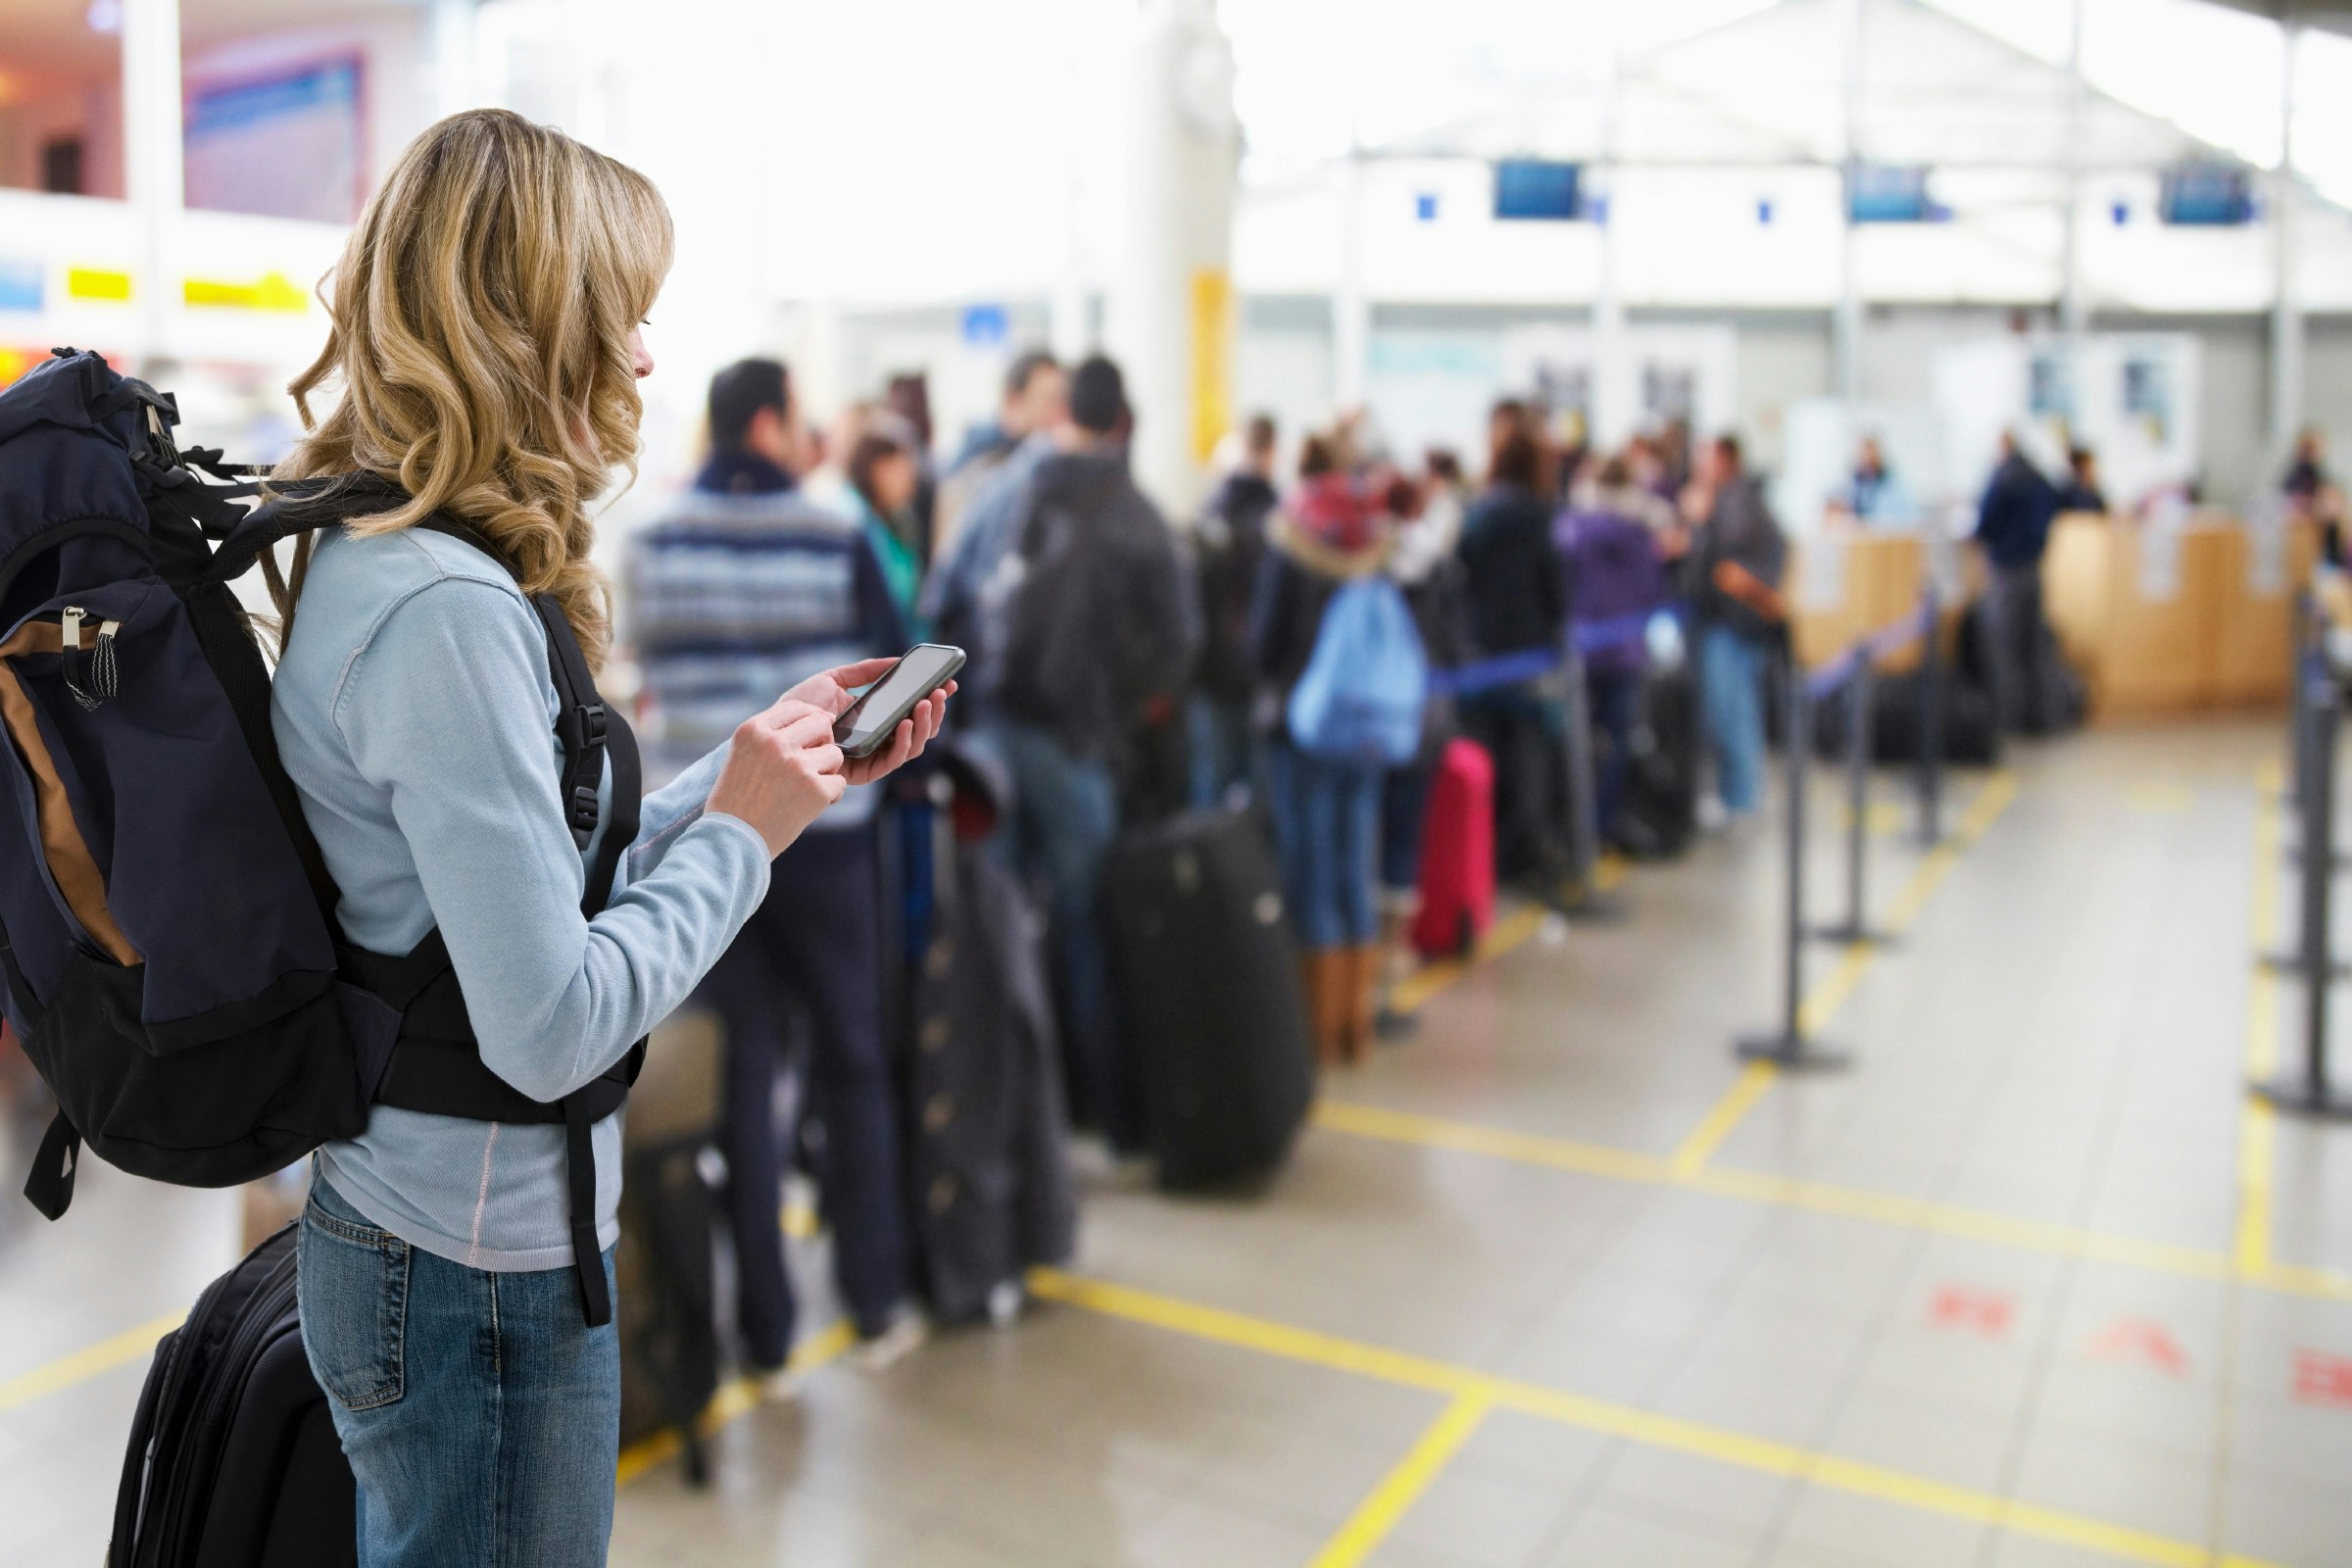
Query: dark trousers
{"type": "Point", "coordinates": [814, 948]}
{"type": "Point", "coordinates": [1520, 726]}
{"type": "Point", "coordinates": [2013, 626]}
{"type": "Point", "coordinates": [1616, 701]}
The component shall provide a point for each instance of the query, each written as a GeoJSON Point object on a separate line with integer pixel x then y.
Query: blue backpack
{"type": "Point", "coordinates": [1367, 682]}
{"type": "Point", "coordinates": [169, 956]}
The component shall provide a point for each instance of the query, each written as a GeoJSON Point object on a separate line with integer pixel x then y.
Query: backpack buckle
{"type": "Point", "coordinates": [593, 727]}
{"type": "Point", "coordinates": [584, 811]}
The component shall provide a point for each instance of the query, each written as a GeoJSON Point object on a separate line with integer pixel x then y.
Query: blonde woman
{"type": "Point", "coordinates": [485, 346]}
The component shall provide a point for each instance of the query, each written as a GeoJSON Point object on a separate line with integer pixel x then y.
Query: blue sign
{"type": "Point", "coordinates": [19, 284]}
{"type": "Point", "coordinates": [1425, 207]}
{"type": "Point", "coordinates": [2206, 196]}
{"type": "Point", "coordinates": [1764, 209]}
{"type": "Point", "coordinates": [1528, 188]}
{"type": "Point", "coordinates": [985, 325]}
{"type": "Point", "coordinates": [1884, 193]}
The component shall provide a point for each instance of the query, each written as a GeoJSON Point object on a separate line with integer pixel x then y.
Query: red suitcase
{"type": "Point", "coordinates": [1458, 854]}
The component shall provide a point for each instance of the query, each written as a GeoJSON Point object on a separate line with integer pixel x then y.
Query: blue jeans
{"type": "Point", "coordinates": [1065, 812]}
{"type": "Point", "coordinates": [1616, 699]}
{"type": "Point", "coordinates": [1327, 833]}
{"type": "Point", "coordinates": [481, 1416]}
{"type": "Point", "coordinates": [1403, 809]}
{"type": "Point", "coordinates": [1730, 678]}
{"type": "Point", "coordinates": [1224, 748]}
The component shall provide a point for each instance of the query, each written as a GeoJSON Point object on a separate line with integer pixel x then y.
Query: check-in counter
{"type": "Point", "coordinates": [1848, 583]}
{"type": "Point", "coordinates": [2176, 618]}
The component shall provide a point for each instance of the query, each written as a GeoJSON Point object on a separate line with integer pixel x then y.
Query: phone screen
{"type": "Point", "coordinates": [923, 670]}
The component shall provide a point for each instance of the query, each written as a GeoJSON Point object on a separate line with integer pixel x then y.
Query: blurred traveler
{"type": "Point", "coordinates": [909, 395]}
{"type": "Point", "coordinates": [474, 1372]}
{"type": "Point", "coordinates": [2013, 527]}
{"type": "Point", "coordinates": [1611, 535]}
{"type": "Point", "coordinates": [1229, 546]}
{"type": "Point", "coordinates": [1333, 531]}
{"type": "Point", "coordinates": [1738, 556]}
{"type": "Point", "coordinates": [2312, 495]}
{"type": "Point", "coordinates": [1427, 523]}
{"type": "Point", "coordinates": [2082, 492]}
{"type": "Point", "coordinates": [882, 480]}
{"type": "Point", "coordinates": [991, 486]}
{"type": "Point", "coordinates": [744, 587]}
{"type": "Point", "coordinates": [1876, 496]}
{"type": "Point", "coordinates": [1517, 592]}
{"type": "Point", "coordinates": [1033, 403]}
{"type": "Point", "coordinates": [1096, 645]}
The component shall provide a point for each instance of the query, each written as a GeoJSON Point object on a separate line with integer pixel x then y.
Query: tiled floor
{"type": "Point", "coordinates": [2003, 1295]}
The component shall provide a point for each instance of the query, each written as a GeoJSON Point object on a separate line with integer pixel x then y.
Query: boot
{"type": "Point", "coordinates": [1320, 984]}
{"type": "Point", "coordinates": [1359, 1000]}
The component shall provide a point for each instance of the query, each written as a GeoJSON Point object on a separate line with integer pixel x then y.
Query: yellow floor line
{"type": "Point", "coordinates": [1507, 933]}
{"type": "Point", "coordinates": [1830, 993]}
{"type": "Point", "coordinates": [1819, 1197]}
{"type": "Point", "coordinates": [1693, 1152]}
{"type": "Point", "coordinates": [1696, 1438]}
{"type": "Point", "coordinates": [730, 1403]}
{"type": "Point", "coordinates": [2258, 1121]}
{"type": "Point", "coordinates": [1402, 1488]}
{"type": "Point", "coordinates": [86, 1362]}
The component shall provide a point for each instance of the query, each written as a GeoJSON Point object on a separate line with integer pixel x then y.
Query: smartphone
{"type": "Point", "coordinates": [866, 727]}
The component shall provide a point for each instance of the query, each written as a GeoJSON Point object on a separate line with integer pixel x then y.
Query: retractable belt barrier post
{"type": "Point", "coordinates": [1856, 927]}
{"type": "Point", "coordinates": [1931, 721]}
{"type": "Point", "coordinates": [2309, 1089]}
{"type": "Point", "coordinates": [2313, 827]}
{"type": "Point", "coordinates": [1787, 1044]}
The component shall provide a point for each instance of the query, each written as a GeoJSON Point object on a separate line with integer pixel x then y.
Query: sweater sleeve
{"type": "Point", "coordinates": [469, 765]}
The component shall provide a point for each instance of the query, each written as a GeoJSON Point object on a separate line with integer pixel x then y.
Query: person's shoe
{"type": "Point", "coordinates": [906, 1333]}
{"type": "Point", "coordinates": [779, 1385]}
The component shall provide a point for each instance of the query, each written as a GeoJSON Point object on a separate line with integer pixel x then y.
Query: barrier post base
{"type": "Point", "coordinates": [1846, 934]}
{"type": "Point", "coordinates": [2292, 964]}
{"type": "Point", "coordinates": [1790, 1050]}
{"type": "Point", "coordinates": [2297, 1091]}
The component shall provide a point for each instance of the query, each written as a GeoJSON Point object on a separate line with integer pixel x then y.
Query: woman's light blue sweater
{"type": "Point", "coordinates": [416, 714]}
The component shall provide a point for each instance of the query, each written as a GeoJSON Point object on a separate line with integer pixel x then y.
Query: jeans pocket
{"type": "Point", "coordinates": [352, 1282]}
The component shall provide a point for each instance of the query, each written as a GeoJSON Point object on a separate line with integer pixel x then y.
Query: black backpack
{"type": "Point", "coordinates": [168, 929]}
{"type": "Point", "coordinates": [233, 1457]}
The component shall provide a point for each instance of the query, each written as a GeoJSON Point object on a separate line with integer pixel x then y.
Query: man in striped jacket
{"type": "Point", "coordinates": [743, 589]}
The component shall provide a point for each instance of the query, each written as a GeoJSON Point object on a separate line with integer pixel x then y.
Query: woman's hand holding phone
{"type": "Point", "coordinates": [784, 768]}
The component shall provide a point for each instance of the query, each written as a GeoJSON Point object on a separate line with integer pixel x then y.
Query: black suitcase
{"type": "Point", "coordinates": [989, 1189]}
{"type": "Point", "coordinates": [1207, 997]}
{"type": "Point", "coordinates": [233, 1459]}
{"type": "Point", "coordinates": [665, 1269]}
{"type": "Point", "coordinates": [1659, 810]}
{"type": "Point", "coordinates": [1972, 735]}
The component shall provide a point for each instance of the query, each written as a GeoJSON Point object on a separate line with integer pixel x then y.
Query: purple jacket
{"type": "Point", "coordinates": [1614, 570]}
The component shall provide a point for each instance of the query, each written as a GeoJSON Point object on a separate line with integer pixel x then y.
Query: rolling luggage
{"type": "Point", "coordinates": [1458, 854]}
{"type": "Point", "coordinates": [1659, 813]}
{"type": "Point", "coordinates": [1207, 997]}
{"type": "Point", "coordinates": [989, 1190]}
{"type": "Point", "coordinates": [1972, 735]}
{"type": "Point", "coordinates": [665, 1269]}
{"type": "Point", "coordinates": [233, 1459]}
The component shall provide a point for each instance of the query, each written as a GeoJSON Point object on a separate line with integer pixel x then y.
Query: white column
{"type": "Point", "coordinates": [2286, 313]}
{"type": "Point", "coordinates": [1350, 302]}
{"type": "Point", "coordinates": [2074, 311]}
{"type": "Point", "coordinates": [154, 171]}
{"type": "Point", "coordinates": [453, 50]}
{"type": "Point", "coordinates": [1169, 294]}
{"type": "Point", "coordinates": [1067, 328]}
{"type": "Point", "coordinates": [1613, 413]}
{"type": "Point", "coordinates": [1847, 327]}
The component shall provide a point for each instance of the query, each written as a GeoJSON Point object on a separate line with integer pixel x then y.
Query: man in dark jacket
{"type": "Point", "coordinates": [2013, 528]}
{"type": "Point", "coordinates": [1739, 561]}
{"type": "Point", "coordinates": [1097, 648]}
{"type": "Point", "coordinates": [1229, 546]}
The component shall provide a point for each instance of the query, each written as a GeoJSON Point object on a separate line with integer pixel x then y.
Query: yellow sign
{"type": "Point", "coordinates": [97, 283]}
{"type": "Point", "coordinates": [274, 292]}
{"type": "Point", "coordinates": [1212, 359]}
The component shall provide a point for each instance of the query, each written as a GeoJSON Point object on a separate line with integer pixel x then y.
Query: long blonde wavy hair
{"type": "Point", "coordinates": [479, 320]}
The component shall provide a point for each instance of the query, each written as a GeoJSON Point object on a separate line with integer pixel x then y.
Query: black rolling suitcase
{"type": "Point", "coordinates": [1208, 1008]}
{"type": "Point", "coordinates": [1659, 810]}
{"type": "Point", "coordinates": [233, 1459]}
